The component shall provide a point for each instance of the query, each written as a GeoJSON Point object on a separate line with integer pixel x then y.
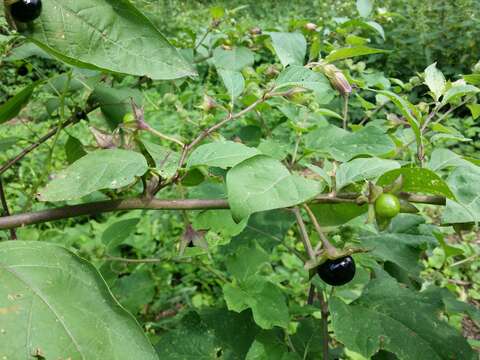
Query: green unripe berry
{"type": "Point", "coordinates": [387, 206]}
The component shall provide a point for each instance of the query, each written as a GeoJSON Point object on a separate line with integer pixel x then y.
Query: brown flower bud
{"type": "Point", "coordinates": [337, 79]}
{"type": "Point", "coordinates": [255, 31]}
{"type": "Point", "coordinates": [311, 26]}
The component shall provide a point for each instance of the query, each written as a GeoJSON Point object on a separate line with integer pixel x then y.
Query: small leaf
{"type": "Point", "coordinates": [435, 81]}
{"type": "Point", "coordinates": [291, 48]}
{"type": "Point", "coordinates": [233, 60]}
{"type": "Point", "coordinates": [166, 160]}
{"type": "Point", "coordinates": [475, 110]}
{"type": "Point", "coordinates": [221, 154]}
{"type": "Point", "coordinates": [101, 169]}
{"type": "Point", "coordinates": [262, 183]}
{"type": "Point", "coordinates": [14, 105]}
{"type": "Point", "coordinates": [458, 91]}
{"type": "Point", "coordinates": [233, 81]}
{"type": "Point", "coordinates": [354, 51]}
{"type": "Point", "coordinates": [364, 7]}
{"type": "Point", "coordinates": [74, 149]}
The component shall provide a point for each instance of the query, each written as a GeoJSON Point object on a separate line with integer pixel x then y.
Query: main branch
{"type": "Point", "coordinates": [65, 212]}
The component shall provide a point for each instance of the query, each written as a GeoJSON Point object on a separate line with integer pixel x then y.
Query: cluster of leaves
{"type": "Point", "coordinates": [249, 118]}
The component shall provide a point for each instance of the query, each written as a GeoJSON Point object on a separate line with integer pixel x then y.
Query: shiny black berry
{"type": "Point", "coordinates": [26, 10]}
{"type": "Point", "coordinates": [81, 115]}
{"type": "Point", "coordinates": [337, 272]}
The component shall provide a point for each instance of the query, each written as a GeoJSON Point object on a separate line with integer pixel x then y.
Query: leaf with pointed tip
{"type": "Point", "coordinates": [14, 105]}
{"type": "Point", "coordinates": [435, 81]}
{"type": "Point", "coordinates": [223, 154]}
{"type": "Point", "coordinates": [354, 51]}
{"type": "Point", "coordinates": [291, 48]}
{"type": "Point", "coordinates": [109, 35]}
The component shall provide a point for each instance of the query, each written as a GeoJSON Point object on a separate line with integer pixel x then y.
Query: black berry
{"type": "Point", "coordinates": [337, 272]}
{"type": "Point", "coordinates": [26, 10]}
{"type": "Point", "coordinates": [22, 70]}
{"type": "Point", "coordinates": [81, 115]}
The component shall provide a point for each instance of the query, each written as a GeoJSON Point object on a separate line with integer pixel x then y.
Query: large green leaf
{"type": "Point", "coordinates": [343, 145]}
{"type": "Point", "coordinates": [101, 169]}
{"type": "Point", "coordinates": [246, 261]}
{"type": "Point", "coordinates": [234, 60]}
{"type": "Point", "coordinates": [233, 81]}
{"type": "Point", "coordinates": [262, 183]}
{"type": "Point", "coordinates": [221, 154]}
{"type": "Point", "coordinates": [290, 47]}
{"type": "Point", "coordinates": [12, 106]}
{"type": "Point", "coordinates": [362, 169]}
{"type": "Point", "coordinates": [457, 91]}
{"type": "Point", "coordinates": [349, 52]}
{"type": "Point", "coordinates": [393, 318]}
{"type": "Point", "coordinates": [418, 180]}
{"type": "Point", "coordinates": [55, 304]}
{"type": "Point", "coordinates": [337, 214]}
{"type": "Point", "coordinates": [109, 35]}
{"type": "Point", "coordinates": [444, 158]}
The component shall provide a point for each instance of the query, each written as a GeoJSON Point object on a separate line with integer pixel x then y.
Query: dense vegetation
{"type": "Point", "coordinates": [277, 180]}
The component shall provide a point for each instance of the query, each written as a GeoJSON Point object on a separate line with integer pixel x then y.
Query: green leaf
{"type": "Point", "coordinates": [435, 81]}
{"type": "Point", "coordinates": [408, 110]}
{"type": "Point", "coordinates": [399, 248]}
{"type": "Point", "coordinates": [463, 182]}
{"type": "Point", "coordinates": [473, 79]}
{"type": "Point", "coordinates": [233, 81]}
{"type": "Point", "coordinates": [25, 51]}
{"type": "Point", "coordinates": [8, 142]}
{"type": "Point", "coordinates": [291, 48]}
{"type": "Point", "coordinates": [337, 214]}
{"type": "Point", "coordinates": [418, 180]}
{"type": "Point", "coordinates": [219, 221]}
{"type": "Point", "coordinates": [262, 183]}
{"type": "Point", "coordinates": [115, 103]}
{"type": "Point", "coordinates": [14, 105]}
{"type": "Point", "coordinates": [264, 298]}
{"type": "Point", "coordinates": [109, 35]}
{"type": "Point", "coordinates": [74, 149]}
{"type": "Point", "coordinates": [343, 145]}
{"type": "Point", "coordinates": [233, 60]}
{"type": "Point", "coordinates": [101, 169]}
{"type": "Point", "coordinates": [298, 76]}
{"type": "Point", "coordinates": [221, 154]}
{"type": "Point", "coordinates": [58, 304]}
{"type": "Point", "coordinates": [191, 340]}
{"type": "Point", "coordinates": [364, 7]}
{"type": "Point", "coordinates": [395, 319]}
{"type": "Point", "coordinates": [362, 169]}
{"type": "Point", "coordinates": [166, 160]}
{"type": "Point", "coordinates": [458, 91]}
{"type": "Point", "coordinates": [368, 25]}
{"type": "Point", "coordinates": [475, 110]}
{"type": "Point", "coordinates": [444, 158]}
{"type": "Point", "coordinates": [135, 290]}
{"type": "Point", "coordinates": [308, 340]}
{"type": "Point", "coordinates": [246, 261]}
{"type": "Point", "coordinates": [118, 232]}
{"type": "Point", "coordinates": [349, 52]}
{"type": "Point", "coordinates": [269, 345]}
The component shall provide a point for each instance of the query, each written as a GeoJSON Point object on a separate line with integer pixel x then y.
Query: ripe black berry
{"type": "Point", "coordinates": [22, 70]}
{"type": "Point", "coordinates": [26, 10]}
{"type": "Point", "coordinates": [81, 115]}
{"type": "Point", "coordinates": [337, 272]}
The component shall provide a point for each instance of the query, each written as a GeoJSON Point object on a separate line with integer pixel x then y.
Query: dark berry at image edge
{"type": "Point", "coordinates": [22, 70]}
{"type": "Point", "coordinates": [337, 272]}
{"type": "Point", "coordinates": [26, 10]}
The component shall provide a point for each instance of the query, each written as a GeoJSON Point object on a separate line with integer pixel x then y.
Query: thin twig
{"type": "Point", "coordinates": [6, 212]}
{"type": "Point", "coordinates": [324, 310]}
{"type": "Point", "coordinates": [304, 234]}
{"type": "Point", "coordinates": [72, 120]}
{"type": "Point", "coordinates": [345, 111]}
{"type": "Point", "coordinates": [329, 248]}
{"type": "Point", "coordinates": [133, 261]}
{"type": "Point", "coordinates": [311, 294]}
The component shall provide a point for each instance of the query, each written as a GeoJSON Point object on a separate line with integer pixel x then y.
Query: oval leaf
{"type": "Point", "coordinates": [221, 154]}
{"type": "Point", "coordinates": [55, 305]}
{"type": "Point", "coordinates": [262, 183]}
{"type": "Point", "coordinates": [109, 35]}
{"type": "Point", "coordinates": [101, 169]}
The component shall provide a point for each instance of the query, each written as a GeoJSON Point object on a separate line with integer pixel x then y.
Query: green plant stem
{"type": "Point", "coordinates": [304, 234]}
{"type": "Point", "coordinates": [329, 248]}
{"type": "Point", "coordinates": [311, 294]}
